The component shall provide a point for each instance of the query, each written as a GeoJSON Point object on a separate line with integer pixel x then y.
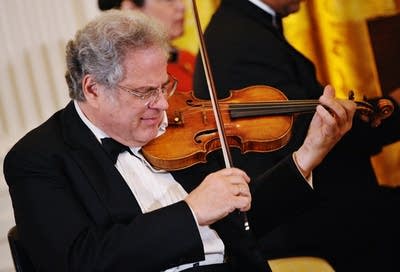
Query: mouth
{"type": "Point", "coordinates": [179, 22]}
{"type": "Point", "coordinates": [152, 120]}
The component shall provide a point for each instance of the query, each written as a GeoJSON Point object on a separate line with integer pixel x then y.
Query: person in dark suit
{"type": "Point", "coordinates": [253, 51]}
{"type": "Point", "coordinates": [85, 198]}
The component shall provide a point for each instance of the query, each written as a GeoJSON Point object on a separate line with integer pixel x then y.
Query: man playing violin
{"type": "Point", "coordinates": [253, 51]}
{"type": "Point", "coordinates": [85, 199]}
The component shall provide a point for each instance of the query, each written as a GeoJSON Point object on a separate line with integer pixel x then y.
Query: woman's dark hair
{"type": "Point", "coordinates": [116, 4]}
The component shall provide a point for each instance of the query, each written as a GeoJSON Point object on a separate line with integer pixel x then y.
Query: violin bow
{"type": "Point", "coordinates": [214, 100]}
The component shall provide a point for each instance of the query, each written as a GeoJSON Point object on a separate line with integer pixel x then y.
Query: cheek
{"type": "Point", "coordinates": [158, 13]}
{"type": "Point", "coordinates": [126, 114]}
{"type": "Point", "coordinates": [167, 17]}
{"type": "Point", "coordinates": [167, 22]}
{"type": "Point", "coordinates": [131, 117]}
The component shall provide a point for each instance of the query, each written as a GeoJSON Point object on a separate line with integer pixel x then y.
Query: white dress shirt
{"type": "Point", "coordinates": [264, 7]}
{"type": "Point", "coordinates": [267, 9]}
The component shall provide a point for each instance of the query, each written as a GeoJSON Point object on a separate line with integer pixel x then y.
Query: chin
{"type": "Point", "coordinates": [175, 34]}
{"type": "Point", "coordinates": [151, 136]}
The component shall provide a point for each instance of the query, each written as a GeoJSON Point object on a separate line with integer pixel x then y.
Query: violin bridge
{"type": "Point", "coordinates": [204, 117]}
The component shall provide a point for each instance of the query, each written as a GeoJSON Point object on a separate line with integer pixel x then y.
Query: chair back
{"type": "Point", "coordinates": [21, 259]}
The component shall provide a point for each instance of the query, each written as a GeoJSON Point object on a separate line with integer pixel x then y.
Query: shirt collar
{"type": "Point", "coordinates": [264, 7]}
{"type": "Point", "coordinates": [95, 130]}
{"type": "Point", "coordinates": [101, 134]}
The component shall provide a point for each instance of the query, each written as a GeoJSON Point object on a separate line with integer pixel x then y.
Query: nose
{"type": "Point", "coordinates": [160, 101]}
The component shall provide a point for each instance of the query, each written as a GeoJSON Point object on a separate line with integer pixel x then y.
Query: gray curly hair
{"type": "Point", "coordinates": [99, 48]}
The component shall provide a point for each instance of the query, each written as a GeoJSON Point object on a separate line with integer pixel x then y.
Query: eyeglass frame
{"type": "Point", "coordinates": [152, 94]}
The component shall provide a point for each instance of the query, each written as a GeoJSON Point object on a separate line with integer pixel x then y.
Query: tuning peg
{"type": "Point", "coordinates": [351, 95]}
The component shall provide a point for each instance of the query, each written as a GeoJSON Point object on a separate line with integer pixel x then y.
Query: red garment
{"type": "Point", "coordinates": [182, 67]}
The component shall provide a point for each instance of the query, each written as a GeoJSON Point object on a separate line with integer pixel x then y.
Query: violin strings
{"type": "Point", "coordinates": [258, 108]}
{"type": "Point", "coordinates": [271, 108]}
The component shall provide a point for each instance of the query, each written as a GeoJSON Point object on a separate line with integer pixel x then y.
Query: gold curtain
{"type": "Point", "coordinates": [189, 40]}
{"type": "Point", "coordinates": [334, 35]}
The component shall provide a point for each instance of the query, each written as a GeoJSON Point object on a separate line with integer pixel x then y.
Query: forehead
{"type": "Point", "coordinates": [145, 64]}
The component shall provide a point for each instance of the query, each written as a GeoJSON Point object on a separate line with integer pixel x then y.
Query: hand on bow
{"type": "Point", "coordinates": [219, 194]}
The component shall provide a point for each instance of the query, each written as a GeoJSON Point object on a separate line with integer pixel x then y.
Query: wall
{"type": "Point", "coordinates": [32, 86]}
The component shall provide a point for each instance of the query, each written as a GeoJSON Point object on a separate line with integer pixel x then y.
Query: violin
{"type": "Point", "coordinates": [256, 119]}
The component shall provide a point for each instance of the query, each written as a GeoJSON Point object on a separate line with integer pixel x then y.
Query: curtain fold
{"type": "Point", "coordinates": [334, 34]}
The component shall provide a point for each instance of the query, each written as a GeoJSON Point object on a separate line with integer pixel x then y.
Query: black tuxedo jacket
{"type": "Point", "coordinates": [74, 212]}
{"type": "Point", "coordinates": [246, 49]}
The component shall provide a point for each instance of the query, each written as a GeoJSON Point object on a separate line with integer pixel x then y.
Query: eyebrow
{"type": "Point", "coordinates": [149, 87]}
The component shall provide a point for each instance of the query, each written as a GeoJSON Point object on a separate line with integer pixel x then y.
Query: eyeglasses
{"type": "Point", "coordinates": [150, 95]}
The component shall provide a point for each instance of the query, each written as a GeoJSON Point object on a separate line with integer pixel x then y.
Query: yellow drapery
{"type": "Point", "coordinates": [190, 40]}
{"type": "Point", "coordinates": [334, 35]}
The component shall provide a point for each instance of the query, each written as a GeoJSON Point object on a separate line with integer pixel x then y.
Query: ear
{"type": "Point", "coordinates": [90, 89]}
{"type": "Point", "coordinates": [128, 4]}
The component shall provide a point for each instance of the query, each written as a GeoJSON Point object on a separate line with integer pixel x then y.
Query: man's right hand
{"type": "Point", "coordinates": [219, 194]}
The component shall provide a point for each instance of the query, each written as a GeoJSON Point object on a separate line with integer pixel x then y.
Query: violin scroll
{"type": "Point", "coordinates": [373, 114]}
{"type": "Point", "coordinates": [383, 109]}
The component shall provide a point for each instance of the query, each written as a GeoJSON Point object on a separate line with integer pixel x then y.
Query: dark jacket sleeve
{"type": "Point", "coordinates": [278, 194]}
{"type": "Point", "coordinates": [68, 228]}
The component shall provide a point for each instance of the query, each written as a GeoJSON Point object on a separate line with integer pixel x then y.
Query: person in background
{"type": "Point", "coordinates": [253, 51]}
{"type": "Point", "coordinates": [86, 199]}
{"type": "Point", "coordinates": [171, 15]}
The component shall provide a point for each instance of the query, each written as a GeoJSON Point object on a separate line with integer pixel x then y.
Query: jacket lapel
{"type": "Point", "coordinates": [96, 166]}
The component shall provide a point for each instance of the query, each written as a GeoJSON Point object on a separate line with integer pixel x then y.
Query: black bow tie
{"type": "Point", "coordinates": [114, 148]}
